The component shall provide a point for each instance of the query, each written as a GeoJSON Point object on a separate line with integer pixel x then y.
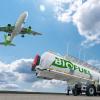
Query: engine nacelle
{"type": "Point", "coordinates": [9, 25]}
{"type": "Point", "coordinates": [30, 27]}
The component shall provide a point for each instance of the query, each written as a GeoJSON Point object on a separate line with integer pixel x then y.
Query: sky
{"type": "Point", "coordinates": [67, 27]}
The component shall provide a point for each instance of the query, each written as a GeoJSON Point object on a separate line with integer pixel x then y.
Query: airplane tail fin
{"type": "Point", "coordinates": [6, 43]}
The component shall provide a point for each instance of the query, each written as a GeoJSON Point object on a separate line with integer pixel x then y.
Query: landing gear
{"type": "Point", "coordinates": [30, 27]}
{"type": "Point", "coordinates": [9, 34]}
{"type": "Point", "coordinates": [22, 36]}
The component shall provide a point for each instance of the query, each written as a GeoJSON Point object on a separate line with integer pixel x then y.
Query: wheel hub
{"type": "Point", "coordinates": [91, 91]}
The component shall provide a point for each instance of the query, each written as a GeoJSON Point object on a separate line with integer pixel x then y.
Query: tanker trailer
{"type": "Point", "coordinates": [83, 76]}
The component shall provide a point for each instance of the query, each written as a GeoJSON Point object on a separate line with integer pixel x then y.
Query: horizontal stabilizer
{"type": "Point", "coordinates": [3, 43]}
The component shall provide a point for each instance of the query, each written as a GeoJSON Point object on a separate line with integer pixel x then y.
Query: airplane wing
{"type": "Point", "coordinates": [8, 29]}
{"type": "Point", "coordinates": [29, 31]}
{"type": "Point", "coordinates": [3, 29]}
{"type": "Point", "coordinates": [9, 44]}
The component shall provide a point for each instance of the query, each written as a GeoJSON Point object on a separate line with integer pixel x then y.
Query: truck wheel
{"type": "Point", "coordinates": [90, 91]}
{"type": "Point", "coordinates": [99, 94]}
{"type": "Point", "coordinates": [75, 92]}
{"type": "Point", "coordinates": [67, 92]}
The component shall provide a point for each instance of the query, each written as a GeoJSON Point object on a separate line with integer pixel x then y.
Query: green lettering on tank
{"type": "Point", "coordinates": [75, 67]}
{"type": "Point", "coordinates": [81, 69]}
{"type": "Point", "coordinates": [70, 65]}
{"type": "Point", "coordinates": [58, 62]}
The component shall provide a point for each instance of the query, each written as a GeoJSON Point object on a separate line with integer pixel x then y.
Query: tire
{"type": "Point", "coordinates": [75, 92]}
{"type": "Point", "coordinates": [99, 94]}
{"type": "Point", "coordinates": [90, 91]}
{"type": "Point", "coordinates": [67, 92]}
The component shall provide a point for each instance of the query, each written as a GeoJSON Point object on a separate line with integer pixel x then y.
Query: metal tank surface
{"type": "Point", "coordinates": [68, 67]}
{"type": "Point", "coordinates": [84, 77]}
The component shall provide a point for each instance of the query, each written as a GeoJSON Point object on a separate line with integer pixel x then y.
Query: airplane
{"type": "Point", "coordinates": [16, 29]}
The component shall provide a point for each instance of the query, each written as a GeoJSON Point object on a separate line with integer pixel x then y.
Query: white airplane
{"type": "Point", "coordinates": [16, 29]}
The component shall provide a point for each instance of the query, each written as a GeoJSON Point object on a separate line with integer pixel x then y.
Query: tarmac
{"type": "Point", "coordinates": [42, 96]}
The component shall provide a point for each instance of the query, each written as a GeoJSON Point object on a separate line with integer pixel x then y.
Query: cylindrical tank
{"type": "Point", "coordinates": [50, 60]}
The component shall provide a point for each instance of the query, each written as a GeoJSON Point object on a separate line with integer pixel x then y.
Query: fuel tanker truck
{"type": "Point", "coordinates": [83, 77]}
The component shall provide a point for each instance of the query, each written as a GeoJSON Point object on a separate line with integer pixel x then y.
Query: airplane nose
{"type": "Point", "coordinates": [26, 12]}
{"type": "Point", "coordinates": [25, 15]}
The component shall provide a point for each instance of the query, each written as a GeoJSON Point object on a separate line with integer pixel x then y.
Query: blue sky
{"type": "Point", "coordinates": [68, 26]}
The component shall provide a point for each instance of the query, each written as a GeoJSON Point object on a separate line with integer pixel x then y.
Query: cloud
{"type": "Point", "coordinates": [64, 17]}
{"type": "Point", "coordinates": [86, 17]}
{"type": "Point", "coordinates": [22, 66]}
{"type": "Point", "coordinates": [9, 87]}
{"type": "Point", "coordinates": [95, 63]}
{"type": "Point", "coordinates": [16, 72]}
{"type": "Point", "coordinates": [64, 9]}
{"type": "Point", "coordinates": [27, 77]}
{"type": "Point", "coordinates": [48, 84]}
{"type": "Point", "coordinates": [6, 76]}
{"type": "Point", "coordinates": [22, 69]}
{"type": "Point", "coordinates": [87, 20]}
{"type": "Point", "coordinates": [84, 14]}
{"type": "Point", "coordinates": [18, 76]}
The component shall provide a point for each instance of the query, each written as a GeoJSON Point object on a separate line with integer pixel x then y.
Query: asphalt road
{"type": "Point", "coordinates": [39, 96]}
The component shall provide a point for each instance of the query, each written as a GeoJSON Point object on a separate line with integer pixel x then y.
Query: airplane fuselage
{"type": "Point", "coordinates": [18, 25]}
